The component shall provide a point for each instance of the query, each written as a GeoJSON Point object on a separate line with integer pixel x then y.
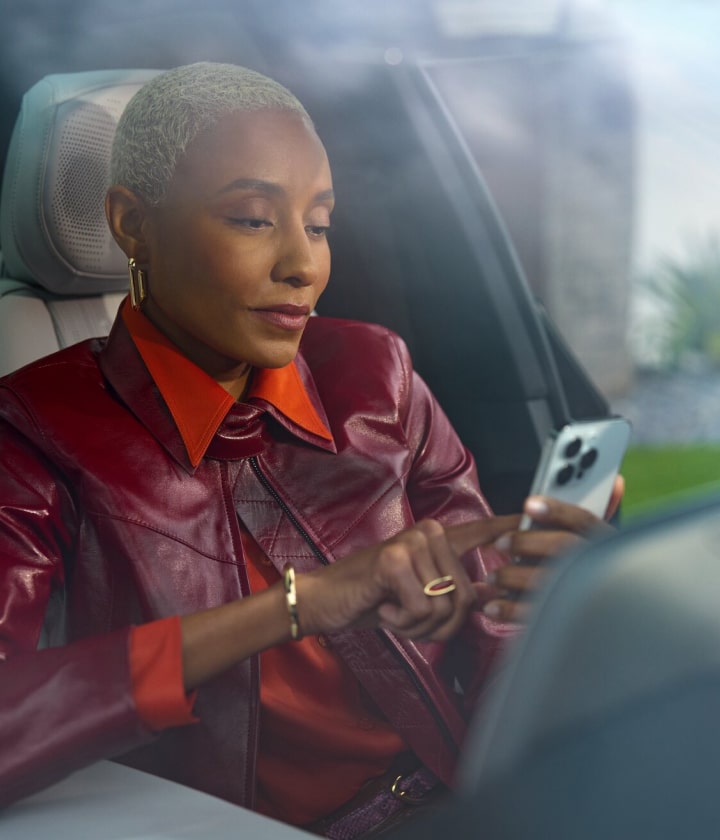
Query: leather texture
{"type": "Point", "coordinates": [104, 523]}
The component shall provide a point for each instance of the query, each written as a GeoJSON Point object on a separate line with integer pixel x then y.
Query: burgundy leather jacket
{"type": "Point", "coordinates": [104, 523]}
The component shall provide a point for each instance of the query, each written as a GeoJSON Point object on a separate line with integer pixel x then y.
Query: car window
{"type": "Point", "coordinates": [595, 130]}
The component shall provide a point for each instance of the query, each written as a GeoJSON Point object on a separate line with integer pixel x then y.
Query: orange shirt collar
{"type": "Point", "coordinates": [198, 404]}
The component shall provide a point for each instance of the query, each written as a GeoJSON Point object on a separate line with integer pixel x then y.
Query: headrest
{"type": "Point", "coordinates": [53, 232]}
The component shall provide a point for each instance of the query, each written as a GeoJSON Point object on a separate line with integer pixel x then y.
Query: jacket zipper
{"type": "Point", "coordinates": [286, 510]}
{"type": "Point", "coordinates": [442, 726]}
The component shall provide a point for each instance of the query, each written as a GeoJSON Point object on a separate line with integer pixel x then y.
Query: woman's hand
{"type": "Point", "coordinates": [562, 526]}
{"type": "Point", "coordinates": [380, 586]}
{"type": "Point", "coordinates": [384, 585]}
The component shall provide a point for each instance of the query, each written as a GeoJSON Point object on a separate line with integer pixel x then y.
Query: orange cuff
{"type": "Point", "coordinates": [156, 675]}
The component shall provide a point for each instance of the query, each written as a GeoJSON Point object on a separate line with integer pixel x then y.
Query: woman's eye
{"type": "Point", "coordinates": [252, 223]}
{"type": "Point", "coordinates": [318, 231]}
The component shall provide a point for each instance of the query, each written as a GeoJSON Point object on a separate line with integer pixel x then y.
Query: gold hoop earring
{"type": "Point", "coordinates": [138, 284]}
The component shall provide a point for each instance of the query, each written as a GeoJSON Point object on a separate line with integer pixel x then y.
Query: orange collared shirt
{"type": "Point", "coordinates": [320, 736]}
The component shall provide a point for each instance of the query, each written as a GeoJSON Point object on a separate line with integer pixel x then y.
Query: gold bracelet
{"type": "Point", "coordinates": [291, 601]}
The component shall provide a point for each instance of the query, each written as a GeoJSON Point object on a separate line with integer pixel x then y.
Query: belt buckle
{"type": "Point", "coordinates": [402, 795]}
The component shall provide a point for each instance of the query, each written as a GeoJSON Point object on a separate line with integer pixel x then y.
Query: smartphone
{"type": "Point", "coordinates": [579, 463]}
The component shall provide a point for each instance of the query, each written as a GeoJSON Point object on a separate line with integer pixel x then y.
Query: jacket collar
{"type": "Point", "coordinates": [184, 408]}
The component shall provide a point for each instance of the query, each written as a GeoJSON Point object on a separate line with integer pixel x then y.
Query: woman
{"type": "Point", "coordinates": [233, 518]}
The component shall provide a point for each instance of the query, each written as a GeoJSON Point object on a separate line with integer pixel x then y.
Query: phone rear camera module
{"type": "Point", "coordinates": [588, 458]}
{"type": "Point", "coordinates": [572, 449]}
{"type": "Point", "coordinates": [565, 474]}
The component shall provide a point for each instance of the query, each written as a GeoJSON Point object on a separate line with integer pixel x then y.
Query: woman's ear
{"type": "Point", "coordinates": [126, 215]}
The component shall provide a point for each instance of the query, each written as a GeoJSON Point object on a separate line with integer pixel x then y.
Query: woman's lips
{"type": "Point", "coordinates": [285, 317]}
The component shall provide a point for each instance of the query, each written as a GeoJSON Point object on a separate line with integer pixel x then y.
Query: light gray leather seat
{"type": "Point", "coordinates": [62, 276]}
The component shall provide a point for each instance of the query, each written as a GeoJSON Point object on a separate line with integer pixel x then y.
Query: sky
{"type": "Point", "coordinates": [674, 50]}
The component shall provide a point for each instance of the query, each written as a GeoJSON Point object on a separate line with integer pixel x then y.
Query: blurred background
{"type": "Point", "coordinates": [596, 126]}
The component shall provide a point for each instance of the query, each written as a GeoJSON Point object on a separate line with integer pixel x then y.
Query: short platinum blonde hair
{"type": "Point", "coordinates": [166, 114]}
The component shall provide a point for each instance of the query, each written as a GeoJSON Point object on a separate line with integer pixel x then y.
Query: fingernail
{"type": "Point", "coordinates": [491, 578]}
{"type": "Point", "coordinates": [536, 506]}
{"type": "Point", "coordinates": [492, 610]}
{"type": "Point", "coordinates": [502, 543]}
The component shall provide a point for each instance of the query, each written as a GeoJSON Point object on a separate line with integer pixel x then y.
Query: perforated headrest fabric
{"type": "Point", "coordinates": [53, 231]}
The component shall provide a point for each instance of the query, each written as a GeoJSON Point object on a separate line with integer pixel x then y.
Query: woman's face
{"type": "Point", "coordinates": [238, 253]}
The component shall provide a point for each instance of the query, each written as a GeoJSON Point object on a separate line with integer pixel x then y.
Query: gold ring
{"type": "Point", "coordinates": [439, 586]}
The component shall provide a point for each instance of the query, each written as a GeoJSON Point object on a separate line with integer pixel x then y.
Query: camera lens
{"type": "Point", "coordinates": [572, 449]}
{"type": "Point", "coordinates": [588, 458]}
{"type": "Point", "coordinates": [565, 474]}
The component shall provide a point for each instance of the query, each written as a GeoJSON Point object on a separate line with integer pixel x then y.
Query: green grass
{"type": "Point", "coordinates": [658, 475]}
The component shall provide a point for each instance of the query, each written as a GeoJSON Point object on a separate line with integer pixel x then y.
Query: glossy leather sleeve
{"type": "Point", "coordinates": [64, 707]}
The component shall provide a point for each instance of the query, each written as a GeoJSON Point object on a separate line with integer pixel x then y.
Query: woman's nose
{"type": "Point", "coordinates": [298, 261]}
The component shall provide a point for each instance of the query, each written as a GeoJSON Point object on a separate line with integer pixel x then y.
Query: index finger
{"type": "Point", "coordinates": [480, 532]}
{"type": "Point", "coordinates": [553, 513]}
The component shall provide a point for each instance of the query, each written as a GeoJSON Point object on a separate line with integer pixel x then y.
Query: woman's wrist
{"type": "Point", "coordinates": [219, 637]}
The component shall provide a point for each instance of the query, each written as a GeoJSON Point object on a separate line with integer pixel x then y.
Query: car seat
{"type": "Point", "coordinates": [62, 276]}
